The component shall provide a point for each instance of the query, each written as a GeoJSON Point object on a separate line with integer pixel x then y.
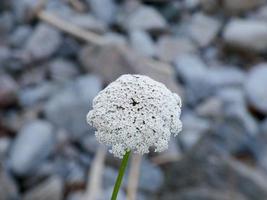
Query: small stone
{"type": "Point", "coordinates": [44, 42]}
{"type": "Point", "coordinates": [76, 196]}
{"type": "Point", "coordinates": [24, 157]}
{"type": "Point", "coordinates": [8, 90]}
{"type": "Point", "coordinates": [192, 4]}
{"type": "Point", "coordinates": [231, 96]}
{"type": "Point", "coordinates": [169, 48]}
{"type": "Point", "coordinates": [237, 6]}
{"type": "Point", "coordinates": [211, 108]}
{"type": "Point", "coordinates": [67, 109]}
{"type": "Point", "coordinates": [104, 10]}
{"type": "Point", "coordinates": [142, 43]}
{"type": "Point", "coordinates": [4, 147]}
{"type": "Point", "coordinates": [20, 35]}
{"type": "Point", "coordinates": [112, 38]}
{"type": "Point", "coordinates": [249, 35]}
{"type": "Point", "coordinates": [203, 29]}
{"type": "Point", "coordinates": [88, 22]}
{"type": "Point", "coordinates": [210, 6]}
{"type": "Point", "coordinates": [6, 23]}
{"type": "Point", "coordinates": [61, 69]}
{"type": "Point", "coordinates": [51, 189]}
{"type": "Point", "coordinates": [8, 189]}
{"type": "Point", "coordinates": [153, 20]}
{"type": "Point", "coordinates": [255, 88]}
{"type": "Point", "coordinates": [24, 9]}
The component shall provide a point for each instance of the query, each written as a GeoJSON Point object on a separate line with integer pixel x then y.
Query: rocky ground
{"type": "Point", "coordinates": [212, 52]}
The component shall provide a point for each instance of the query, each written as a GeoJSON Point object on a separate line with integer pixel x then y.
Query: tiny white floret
{"type": "Point", "coordinates": [135, 113]}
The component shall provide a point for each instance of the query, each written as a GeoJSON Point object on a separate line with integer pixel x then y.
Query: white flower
{"type": "Point", "coordinates": [135, 113]}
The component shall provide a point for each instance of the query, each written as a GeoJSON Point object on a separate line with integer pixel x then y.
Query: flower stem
{"type": "Point", "coordinates": [120, 175]}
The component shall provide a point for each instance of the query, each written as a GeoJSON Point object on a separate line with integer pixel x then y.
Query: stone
{"type": "Point", "coordinates": [8, 189]}
{"type": "Point", "coordinates": [62, 69]}
{"type": "Point", "coordinates": [112, 38]}
{"type": "Point", "coordinates": [108, 192]}
{"type": "Point", "coordinates": [104, 10]}
{"type": "Point", "coordinates": [231, 96]}
{"type": "Point", "coordinates": [142, 43]}
{"type": "Point", "coordinates": [109, 178]}
{"type": "Point", "coordinates": [238, 6]}
{"type": "Point", "coordinates": [210, 108]}
{"type": "Point", "coordinates": [255, 88]}
{"type": "Point", "coordinates": [88, 22]}
{"type": "Point", "coordinates": [8, 90]}
{"type": "Point", "coordinates": [51, 189]}
{"type": "Point", "coordinates": [89, 143]}
{"type": "Point", "coordinates": [67, 109]}
{"type": "Point", "coordinates": [169, 48]}
{"type": "Point", "coordinates": [192, 4]}
{"type": "Point", "coordinates": [209, 165]}
{"type": "Point", "coordinates": [203, 29]}
{"type": "Point", "coordinates": [30, 96]}
{"type": "Point", "coordinates": [154, 21]}
{"type": "Point", "coordinates": [210, 6]}
{"type": "Point", "coordinates": [193, 129]}
{"type": "Point", "coordinates": [4, 147]}
{"type": "Point", "coordinates": [6, 23]}
{"type": "Point", "coordinates": [249, 35]}
{"type": "Point", "coordinates": [24, 10]}
{"type": "Point", "coordinates": [76, 196]}
{"type": "Point", "coordinates": [20, 35]}
{"type": "Point", "coordinates": [44, 42]}
{"type": "Point", "coordinates": [111, 61]}
{"type": "Point", "coordinates": [25, 158]}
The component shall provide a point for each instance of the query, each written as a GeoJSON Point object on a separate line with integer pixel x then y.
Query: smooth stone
{"type": "Point", "coordinates": [249, 35]}
{"type": "Point", "coordinates": [8, 90]}
{"type": "Point", "coordinates": [4, 147]}
{"type": "Point", "coordinates": [142, 43]}
{"type": "Point", "coordinates": [255, 88]}
{"type": "Point", "coordinates": [25, 158]}
{"type": "Point", "coordinates": [203, 29]}
{"type": "Point", "coordinates": [44, 42]}
{"type": "Point", "coordinates": [9, 188]}
{"type": "Point", "coordinates": [238, 6]}
{"type": "Point", "coordinates": [20, 35]}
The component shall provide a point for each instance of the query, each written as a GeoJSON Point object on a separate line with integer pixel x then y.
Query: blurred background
{"type": "Point", "coordinates": [56, 55]}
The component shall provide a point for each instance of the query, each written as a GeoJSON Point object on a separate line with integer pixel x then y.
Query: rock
{"type": "Point", "coordinates": [69, 47]}
{"type": "Point", "coordinates": [20, 35]}
{"type": "Point", "coordinates": [255, 88]}
{"type": "Point", "coordinates": [111, 61]}
{"type": "Point", "coordinates": [210, 6]}
{"type": "Point", "coordinates": [30, 96]}
{"type": "Point", "coordinates": [24, 10]}
{"type": "Point", "coordinates": [88, 22]}
{"type": "Point", "coordinates": [112, 38]}
{"type": "Point", "coordinates": [203, 29]}
{"type": "Point", "coordinates": [6, 23]}
{"type": "Point", "coordinates": [210, 166]}
{"type": "Point", "coordinates": [68, 108]}
{"type": "Point", "coordinates": [249, 35]}
{"type": "Point", "coordinates": [193, 129]}
{"type": "Point", "coordinates": [109, 178]}
{"type": "Point", "coordinates": [211, 108]}
{"type": "Point", "coordinates": [192, 4]}
{"type": "Point", "coordinates": [104, 10]}
{"type": "Point", "coordinates": [51, 189]}
{"type": "Point", "coordinates": [44, 42]}
{"type": "Point", "coordinates": [8, 189]}
{"type": "Point", "coordinates": [89, 143]}
{"type": "Point", "coordinates": [169, 48]}
{"type": "Point", "coordinates": [142, 43]}
{"type": "Point", "coordinates": [33, 76]}
{"type": "Point", "coordinates": [108, 192]}
{"type": "Point", "coordinates": [76, 196]}
{"type": "Point", "coordinates": [62, 69]}
{"type": "Point", "coordinates": [237, 6]}
{"type": "Point", "coordinates": [4, 147]}
{"type": "Point", "coordinates": [8, 90]}
{"type": "Point", "coordinates": [231, 96]}
{"type": "Point", "coordinates": [154, 21]}
{"type": "Point", "coordinates": [25, 158]}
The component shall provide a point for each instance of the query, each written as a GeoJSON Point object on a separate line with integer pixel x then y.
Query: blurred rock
{"type": "Point", "coordinates": [44, 42]}
{"type": "Point", "coordinates": [8, 189]}
{"type": "Point", "coordinates": [142, 43]}
{"type": "Point", "coordinates": [192, 4]}
{"type": "Point", "coordinates": [109, 178]}
{"type": "Point", "coordinates": [203, 29]}
{"type": "Point", "coordinates": [30, 96]}
{"type": "Point", "coordinates": [20, 35]}
{"type": "Point", "coordinates": [4, 147]}
{"type": "Point", "coordinates": [231, 96]}
{"type": "Point", "coordinates": [249, 35]}
{"type": "Point", "coordinates": [24, 9]}
{"type": "Point", "coordinates": [112, 38]}
{"type": "Point", "coordinates": [6, 23]}
{"type": "Point", "coordinates": [89, 143]}
{"type": "Point", "coordinates": [255, 88]}
{"type": "Point", "coordinates": [211, 108]}
{"type": "Point", "coordinates": [108, 192]}
{"type": "Point", "coordinates": [104, 10]}
{"type": "Point", "coordinates": [8, 90]}
{"type": "Point", "coordinates": [62, 69]}
{"type": "Point", "coordinates": [33, 144]}
{"type": "Point", "coordinates": [237, 6]}
{"type": "Point", "coordinates": [76, 196]}
{"type": "Point", "coordinates": [210, 6]}
{"type": "Point", "coordinates": [154, 21]}
{"type": "Point", "coordinates": [51, 189]}
{"type": "Point", "coordinates": [169, 48]}
{"type": "Point", "coordinates": [68, 108]}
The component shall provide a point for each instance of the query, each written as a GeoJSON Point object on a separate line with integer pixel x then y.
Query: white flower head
{"type": "Point", "coordinates": [135, 113]}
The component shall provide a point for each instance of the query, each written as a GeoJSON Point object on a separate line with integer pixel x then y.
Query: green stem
{"type": "Point", "coordinates": [120, 175]}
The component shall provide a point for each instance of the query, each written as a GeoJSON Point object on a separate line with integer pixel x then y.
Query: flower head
{"type": "Point", "coordinates": [135, 113]}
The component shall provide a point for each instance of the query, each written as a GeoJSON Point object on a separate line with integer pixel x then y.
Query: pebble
{"type": "Point", "coordinates": [4, 147]}
{"type": "Point", "coordinates": [8, 189]}
{"type": "Point", "coordinates": [20, 35]}
{"type": "Point", "coordinates": [238, 6]}
{"type": "Point", "coordinates": [51, 189]}
{"type": "Point", "coordinates": [32, 146]}
{"type": "Point", "coordinates": [169, 48]}
{"type": "Point", "coordinates": [8, 90]}
{"type": "Point", "coordinates": [104, 10]}
{"type": "Point", "coordinates": [44, 42]}
{"type": "Point", "coordinates": [249, 35]}
{"type": "Point", "coordinates": [68, 108]}
{"type": "Point", "coordinates": [142, 43]}
{"type": "Point", "coordinates": [203, 29]}
{"type": "Point", "coordinates": [255, 88]}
